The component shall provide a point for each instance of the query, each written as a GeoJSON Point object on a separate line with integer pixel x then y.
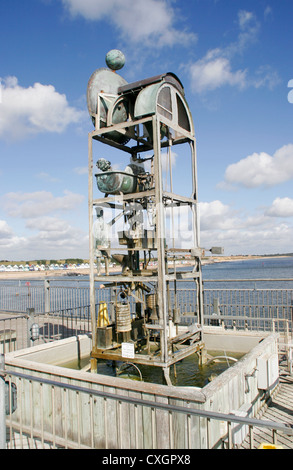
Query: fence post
{"type": "Point", "coordinates": [47, 295]}
{"type": "Point", "coordinates": [2, 405]}
{"type": "Point", "coordinates": [30, 321]}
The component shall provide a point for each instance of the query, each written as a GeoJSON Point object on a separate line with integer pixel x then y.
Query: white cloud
{"type": "Point", "coordinates": [249, 29]}
{"type": "Point", "coordinates": [44, 234]}
{"type": "Point", "coordinates": [30, 205]}
{"type": "Point", "coordinates": [216, 220]}
{"type": "Point", "coordinates": [152, 21]}
{"type": "Point", "coordinates": [168, 159]}
{"type": "Point", "coordinates": [214, 215]}
{"type": "Point", "coordinates": [54, 232]}
{"type": "Point", "coordinates": [262, 169]}
{"type": "Point", "coordinates": [258, 233]}
{"type": "Point", "coordinates": [265, 76]}
{"type": "Point", "coordinates": [38, 108]}
{"type": "Point", "coordinates": [281, 207]}
{"type": "Point", "coordinates": [8, 239]}
{"type": "Point", "coordinates": [214, 71]}
{"type": "Point", "coordinates": [52, 238]}
{"type": "Point", "coordinates": [5, 230]}
{"type": "Point", "coordinates": [244, 17]}
{"type": "Point", "coordinates": [47, 224]}
{"type": "Point", "coordinates": [276, 239]}
{"type": "Point", "coordinates": [268, 12]}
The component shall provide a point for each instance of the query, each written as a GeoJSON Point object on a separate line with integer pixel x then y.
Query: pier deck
{"type": "Point", "coordinates": [278, 409]}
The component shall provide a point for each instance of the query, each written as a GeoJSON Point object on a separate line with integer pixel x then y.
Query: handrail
{"type": "Point", "coordinates": [287, 429]}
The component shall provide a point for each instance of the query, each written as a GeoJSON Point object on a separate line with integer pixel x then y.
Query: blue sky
{"type": "Point", "coordinates": [234, 59]}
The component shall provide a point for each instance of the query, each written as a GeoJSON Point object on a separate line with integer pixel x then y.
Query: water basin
{"type": "Point", "coordinates": [186, 373]}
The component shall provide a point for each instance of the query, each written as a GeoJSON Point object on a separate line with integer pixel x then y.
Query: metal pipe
{"type": "Point", "coordinates": [2, 405]}
{"type": "Point", "coordinates": [160, 237]}
{"type": "Point", "coordinates": [91, 243]}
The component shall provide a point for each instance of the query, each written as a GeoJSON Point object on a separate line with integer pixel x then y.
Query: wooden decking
{"type": "Point", "coordinates": [278, 409]}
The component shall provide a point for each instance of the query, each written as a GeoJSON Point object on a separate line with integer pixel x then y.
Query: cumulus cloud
{"type": "Point", "coordinates": [30, 205]}
{"type": "Point", "coordinates": [214, 215]}
{"type": "Point", "coordinates": [215, 69]}
{"type": "Point", "coordinates": [38, 108]}
{"type": "Point", "coordinates": [45, 233]}
{"type": "Point", "coordinates": [8, 239]}
{"type": "Point", "coordinates": [152, 22]}
{"type": "Point", "coordinates": [258, 233]}
{"type": "Point", "coordinates": [47, 224]}
{"type": "Point", "coordinates": [5, 230]}
{"type": "Point", "coordinates": [281, 207]}
{"type": "Point", "coordinates": [56, 232]}
{"type": "Point", "coordinates": [52, 237]}
{"type": "Point", "coordinates": [274, 239]}
{"type": "Point", "coordinates": [43, 236]}
{"type": "Point", "coordinates": [262, 169]}
{"type": "Point", "coordinates": [215, 219]}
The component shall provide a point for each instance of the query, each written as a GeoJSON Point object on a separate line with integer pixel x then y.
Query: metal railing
{"type": "Point", "coordinates": [250, 308]}
{"type": "Point", "coordinates": [234, 296]}
{"type": "Point", "coordinates": [62, 310]}
{"type": "Point", "coordinates": [40, 426]}
{"type": "Point", "coordinates": [15, 330]}
{"type": "Point", "coordinates": [42, 295]}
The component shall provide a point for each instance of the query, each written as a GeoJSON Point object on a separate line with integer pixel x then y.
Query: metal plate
{"type": "Point", "coordinates": [106, 81]}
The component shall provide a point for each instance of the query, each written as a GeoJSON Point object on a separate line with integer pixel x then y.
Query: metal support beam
{"type": "Point", "coordinates": [91, 242]}
{"type": "Point", "coordinates": [160, 228]}
{"type": "Point", "coordinates": [2, 405]}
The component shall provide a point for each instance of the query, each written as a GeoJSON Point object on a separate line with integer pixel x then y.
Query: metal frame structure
{"type": "Point", "coordinates": [164, 131]}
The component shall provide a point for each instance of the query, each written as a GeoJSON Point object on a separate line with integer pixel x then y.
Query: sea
{"type": "Point", "coordinates": [267, 272]}
{"type": "Point", "coordinates": [250, 271]}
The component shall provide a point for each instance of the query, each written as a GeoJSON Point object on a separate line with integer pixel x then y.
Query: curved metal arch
{"type": "Point", "coordinates": [147, 103]}
{"type": "Point", "coordinates": [114, 115]}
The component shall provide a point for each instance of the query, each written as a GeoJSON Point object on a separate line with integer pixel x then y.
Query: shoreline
{"type": "Point", "coordinates": [66, 273]}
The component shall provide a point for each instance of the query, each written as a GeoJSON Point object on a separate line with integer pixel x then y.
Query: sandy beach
{"type": "Point", "coordinates": [85, 271]}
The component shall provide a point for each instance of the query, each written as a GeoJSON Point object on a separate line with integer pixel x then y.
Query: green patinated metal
{"type": "Point", "coordinates": [116, 182]}
{"type": "Point", "coordinates": [115, 59]}
{"type": "Point", "coordinates": [102, 92]}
